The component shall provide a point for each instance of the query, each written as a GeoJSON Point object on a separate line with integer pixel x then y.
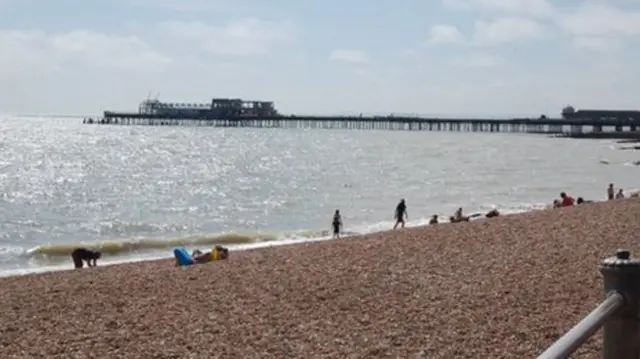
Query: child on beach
{"type": "Point", "coordinates": [401, 214]}
{"type": "Point", "coordinates": [434, 219]}
{"type": "Point", "coordinates": [620, 194]}
{"type": "Point", "coordinates": [610, 192]}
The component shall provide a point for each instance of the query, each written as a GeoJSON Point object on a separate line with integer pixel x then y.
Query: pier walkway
{"type": "Point", "coordinates": [522, 125]}
{"type": "Point", "coordinates": [233, 112]}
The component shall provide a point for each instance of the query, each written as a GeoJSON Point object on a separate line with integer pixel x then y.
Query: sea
{"type": "Point", "coordinates": [137, 192]}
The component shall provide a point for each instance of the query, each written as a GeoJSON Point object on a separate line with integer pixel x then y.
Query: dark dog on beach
{"type": "Point", "coordinates": [83, 254]}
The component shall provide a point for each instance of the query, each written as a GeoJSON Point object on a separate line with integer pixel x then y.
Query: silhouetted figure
{"type": "Point", "coordinates": [610, 192]}
{"type": "Point", "coordinates": [82, 254]}
{"type": "Point", "coordinates": [336, 224]}
{"type": "Point", "coordinates": [401, 214]}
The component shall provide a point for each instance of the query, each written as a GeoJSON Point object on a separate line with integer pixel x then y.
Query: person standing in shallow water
{"type": "Point", "coordinates": [610, 192]}
{"type": "Point", "coordinates": [337, 224]}
{"type": "Point", "coordinates": [401, 214]}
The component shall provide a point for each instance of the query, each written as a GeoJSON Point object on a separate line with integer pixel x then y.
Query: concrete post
{"type": "Point", "coordinates": [622, 331]}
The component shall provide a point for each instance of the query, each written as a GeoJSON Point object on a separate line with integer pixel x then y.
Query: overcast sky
{"type": "Point", "coordinates": [442, 57]}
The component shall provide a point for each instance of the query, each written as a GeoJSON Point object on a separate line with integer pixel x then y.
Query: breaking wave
{"type": "Point", "coordinates": [131, 245]}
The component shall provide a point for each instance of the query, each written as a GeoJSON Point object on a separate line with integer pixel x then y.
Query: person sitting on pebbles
{"type": "Point", "coordinates": [434, 219]}
{"type": "Point", "coordinates": [620, 194]}
{"type": "Point", "coordinates": [566, 200]}
{"type": "Point", "coordinates": [458, 217]}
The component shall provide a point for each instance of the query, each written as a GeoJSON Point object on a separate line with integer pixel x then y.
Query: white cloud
{"type": "Point", "coordinates": [445, 34]}
{"type": "Point", "coordinates": [249, 36]}
{"type": "Point", "coordinates": [480, 60]}
{"type": "Point", "coordinates": [37, 51]}
{"type": "Point", "coordinates": [507, 29]}
{"type": "Point", "coordinates": [370, 77]}
{"type": "Point", "coordinates": [540, 8]}
{"type": "Point", "coordinates": [601, 20]}
{"type": "Point", "coordinates": [346, 55]}
{"type": "Point", "coordinates": [185, 5]}
{"type": "Point", "coordinates": [593, 17]}
{"type": "Point", "coordinates": [86, 71]}
{"type": "Point", "coordinates": [599, 44]}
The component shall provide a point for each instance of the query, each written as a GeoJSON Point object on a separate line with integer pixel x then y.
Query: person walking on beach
{"type": "Point", "coordinates": [610, 192]}
{"type": "Point", "coordinates": [336, 224]}
{"type": "Point", "coordinates": [401, 214]}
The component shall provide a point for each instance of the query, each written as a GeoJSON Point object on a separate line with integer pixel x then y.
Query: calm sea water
{"type": "Point", "coordinates": [136, 192]}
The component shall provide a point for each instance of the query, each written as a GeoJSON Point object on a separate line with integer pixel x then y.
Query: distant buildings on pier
{"type": "Point", "coordinates": [217, 108]}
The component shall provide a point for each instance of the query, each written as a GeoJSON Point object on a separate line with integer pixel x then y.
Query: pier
{"type": "Point", "coordinates": [262, 114]}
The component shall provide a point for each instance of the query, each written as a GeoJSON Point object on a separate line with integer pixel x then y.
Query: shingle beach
{"type": "Point", "coordinates": [505, 287]}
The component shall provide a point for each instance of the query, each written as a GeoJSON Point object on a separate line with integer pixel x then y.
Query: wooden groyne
{"type": "Point", "coordinates": [257, 114]}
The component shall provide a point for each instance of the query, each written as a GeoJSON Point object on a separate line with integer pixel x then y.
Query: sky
{"type": "Point", "coordinates": [427, 57]}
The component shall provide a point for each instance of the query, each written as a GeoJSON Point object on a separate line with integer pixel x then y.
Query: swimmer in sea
{"type": "Point", "coordinates": [82, 254]}
{"type": "Point", "coordinates": [401, 214]}
{"type": "Point", "coordinates": [336, 224]}
{"type": "Point", "coordinates": [434, 219]}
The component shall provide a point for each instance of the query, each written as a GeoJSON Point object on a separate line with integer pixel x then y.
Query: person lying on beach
{"type": "Point", "coordinates": [204, 257]}
{"type": "Point", "coordinates": [434, 219]}
{"type": "Point", "coordinates": [401, 214]}
{"type": "Point", "coordinates": [492, 213]}
{"type": "Point", "coordinates": [82, 254]}
{"type": "Point", "coordinates": [581, 200]}
{"type": "Point", "coordinates": [567, 200]}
